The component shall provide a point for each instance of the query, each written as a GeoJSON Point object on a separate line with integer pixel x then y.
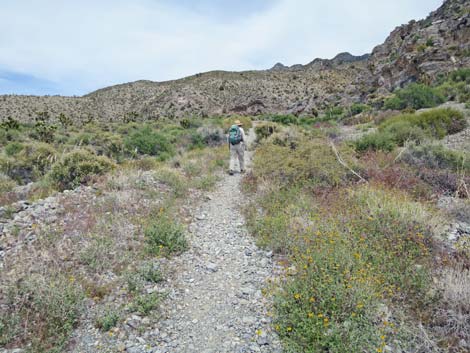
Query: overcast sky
{"type": "Point", "coordinates": [74, 47]}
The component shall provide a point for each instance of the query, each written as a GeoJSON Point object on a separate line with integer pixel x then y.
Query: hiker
{"type": "Point", "coordinates": [237, 146]}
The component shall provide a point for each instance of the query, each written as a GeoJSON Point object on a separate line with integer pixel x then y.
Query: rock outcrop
{"type": "Point", "coordinates": [422, 50]}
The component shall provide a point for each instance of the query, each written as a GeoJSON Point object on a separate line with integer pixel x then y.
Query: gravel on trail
{"type": "Point", "coordinates": [217, 305]}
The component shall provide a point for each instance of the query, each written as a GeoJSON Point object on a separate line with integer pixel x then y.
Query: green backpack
{"type": "Point", "coordinates": [235, 135]}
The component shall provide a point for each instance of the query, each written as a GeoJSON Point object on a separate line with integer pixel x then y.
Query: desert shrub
{"type": "Point", "coordinates": [64, 120]}
{"type": "Point", "coordinates": [381, 168]}
{"type": "Point", "coordinates": [10, 124]}
{"type": "Point", "coordinates": [284, 119]}
{"type": "Point", "coordinates": [148, 141]}
{"type": "Point", "coordinates": [451, 319]}
{"type": "Point", "coordinates": [452, 90]}
{"type": "Point", "coordinates": [81, 139]}
{"type": "Point", "coordinates": [145, 163]}
{"type": "Point", "coordinates": [96, 254]}
{"type": "Point", "coordinates": [436, 156]}
{"type": "Point", "coordinates": [334, 113]}
{"type": "Point", "coordinates": [207, 136]}
{"type": "Point", "coordinates": [312, 162]}
{"type": "Point", "coordinates": [108, 319]}
{"type": "Point", "coordinates": [461, 210]}
{"type": "Point", "coordinates": [416, 96]}
{"type": "Point", "coordinates": [30, 163]}
{"type": "Point", "coordinates": [51, 307]}
{"type": "Point", "coordinates": [348, 255]}
{"type": "Point", "coordinates": [211, 136]}
{"type": "Point", "coordinates": [164, 236]}
{"type": "Point", "coordinates": [145, 304]}
{"type": "Point", "coordinates": [265, 130]}
{"type": "Point", "coordinates": [150, 272]}
{"type": "Point", "coordinates": [376, 141]}
{"type": "Point", "coordinates": [460, 75]}
{"type": "Point", "coordinates": [403, 130]}
{"type": "Point", "coordinates": [6, 183]}
{"type": "Point", "coordinates": [206, 182]}
{"type": "Point", "coordinates": [287, 137]}
{"type": "Point", "coordinates": [185, 123]}
{"type": "Point", "coordinates": [437, 122]}
{"type": "Point", "coordinates": [109, 145]}
{"type": "Point", "coordinates": [444, 182]}
{"type": "Point", "coordinates": [358, 108]}
{"type": "Point", "coordinates": [13, 148]}
{"type": "Point", "coordinates": [44, 130]}
{"type": "Point", "coordinates": [78, 167]}
{"type": "Point", "coordinates": [174, 180]}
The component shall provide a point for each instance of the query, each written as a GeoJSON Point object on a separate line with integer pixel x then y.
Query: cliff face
{"type": "Point", "coordinates": [421, 50]}
{"type": "Point", "coordinates": [417, 51]}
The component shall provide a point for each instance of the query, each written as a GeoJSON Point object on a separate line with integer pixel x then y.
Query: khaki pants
{"type": "Point", "coordinates": [237, 152]}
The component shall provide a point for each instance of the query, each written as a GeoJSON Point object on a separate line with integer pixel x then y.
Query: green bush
{"type": "Point", "coordinates": [403, 130]}
{"type": "Point", "coordinates": [358, 108]}
{"type": "Point", "coordinates": [144, 304]}
{"type": "Point", "coordinates": [284, 119]}
{"type": "Point", "coordinates": [10, 124]}
{"type": "Point", "coordinates": [30, 163]}
{"type": "Point", "coordinates": [147, 141]}
{"type": "Point", "coordinates": [151, 273]}
{"type": "Point", "coordinates": [13, 148]}
{"type": "Point", "coordinates": [437, 122]}
{"type": "Point", "coordinates": [108, 320]}
{"type": "Point", "coordinates": [460, 75]}
{"type": "Point", "coordinates": [376, 141]}
{"type": "Point", "coordinates": [78, 167]}
{"type": "Point", "coordinates": [165, 236]}
{"type": "Point", "coordinates": [43, 130]}
{"type": "Point", "coordinates": [415, 96]}
{"type": "Point", "coordinates": [334, 113]}
{"type": "Point", "coordinates": [109, 145]}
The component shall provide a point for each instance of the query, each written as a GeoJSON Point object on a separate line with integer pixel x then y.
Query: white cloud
{"type": "Point", "coordinates": [84, 45]}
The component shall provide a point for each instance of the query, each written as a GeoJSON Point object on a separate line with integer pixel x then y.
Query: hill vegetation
{"type": "Point", "coordinates": [358, 188]}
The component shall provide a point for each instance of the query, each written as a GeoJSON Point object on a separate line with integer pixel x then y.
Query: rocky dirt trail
{"type": "Point", "coordinates": [217, 303]}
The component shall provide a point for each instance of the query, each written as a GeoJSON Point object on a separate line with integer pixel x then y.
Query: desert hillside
{"type": "Point", "coordinates": [418, 51]}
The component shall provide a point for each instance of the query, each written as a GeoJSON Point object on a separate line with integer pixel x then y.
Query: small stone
{"type": "Point", "coordinates": [212, 267]}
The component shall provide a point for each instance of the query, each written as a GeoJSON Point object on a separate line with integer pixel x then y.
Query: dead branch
{"type": "Point", "coordinates": [343, 163]}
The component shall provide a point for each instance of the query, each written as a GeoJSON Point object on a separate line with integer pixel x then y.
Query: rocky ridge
{"type": "Point", "coordinates": [418, 51]}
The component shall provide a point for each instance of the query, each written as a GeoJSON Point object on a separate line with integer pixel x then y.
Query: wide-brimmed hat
{"type": "Point", "coordinates": [238, 122]}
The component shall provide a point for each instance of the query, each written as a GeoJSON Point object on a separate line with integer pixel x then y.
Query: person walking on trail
{"type": "Point", "coordinates": [237, 145]}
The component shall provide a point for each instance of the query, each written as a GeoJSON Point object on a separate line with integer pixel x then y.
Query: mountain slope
{"type": "Point", "coordinates": [419, 50]}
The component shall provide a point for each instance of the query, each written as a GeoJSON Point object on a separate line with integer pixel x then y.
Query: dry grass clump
{"type": "Point", "coordinates": [451, 320]}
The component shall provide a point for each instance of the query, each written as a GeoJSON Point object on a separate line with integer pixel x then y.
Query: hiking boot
{"type": "Point", "coordinates": [230, 172]}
